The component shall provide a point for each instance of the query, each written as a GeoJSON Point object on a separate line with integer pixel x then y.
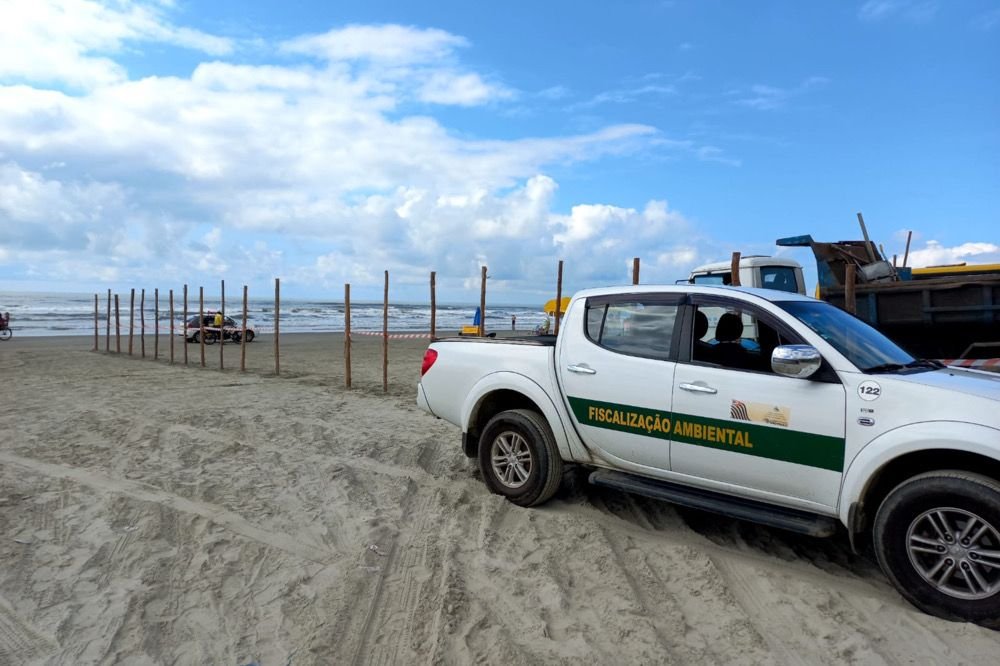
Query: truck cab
{"type": "Point", "coordinates": [759, 271]}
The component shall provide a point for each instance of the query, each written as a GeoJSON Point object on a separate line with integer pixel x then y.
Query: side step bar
{"type": "Point", "coordinates": [784, 518]}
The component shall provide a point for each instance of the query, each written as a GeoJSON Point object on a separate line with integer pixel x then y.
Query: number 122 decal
{"type": "Point", "coordinates": [869, 390]}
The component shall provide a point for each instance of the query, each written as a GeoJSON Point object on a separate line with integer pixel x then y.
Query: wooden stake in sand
{"type": "Point", "coordinates": [850, 298]}
{"type": "Point", "coordinates": [142, 322]}
{"type": "Point", "coordinates": [107, 333]}
{"type": "Point", "coordinates": [277, 318]}
{"type": "Point", "coordinates": [222, 326]}
{"type": "Point", "coordinates": [156, 321]}
{"type": "Point", "coordinates": [559, 296]}
{"type": "Point", "coordinates": [184, 324]}
{"type": "Point", "coordinates": [131, 321]}
{"type": "Point", "coordinates": [734, 270]}
{"type": "Point", "coordinates": [635, 270]}
{"type": "Point", "coordinates": [243, 334]}
{"type": "Point", "coordinates": [433, 305]}
{"type": "Point", "coordinates": [95, 322]}
{"type": "Point", "coordinates": [482, 304]}
{"type": "Point", "coordinates": [118, 328]}
{"type": "Point", "coordinates": [347, 335]}
{"type": "Point", "coordinates": [172, 332]}
{"type": "Point", "coordinates": [385, 335]}
{"type": "Point", "coordinates": [201, 323]}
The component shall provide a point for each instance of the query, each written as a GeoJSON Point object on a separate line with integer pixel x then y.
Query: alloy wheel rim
{"type": "Point", "coordinates": [510, 458]}
{"type": "Point", "coordinates": [956, 551]}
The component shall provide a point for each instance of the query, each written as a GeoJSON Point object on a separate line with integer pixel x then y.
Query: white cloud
{"type": "Point", "coordinates": [917, 11]}
{"type": "Point", "coordinates": [766, 98]}
{"type": "Point", "coordinates": [390, 43]}
{"type": "Point", "coordinates": [936, 254]}
{"type": "Point", "coordinates": [315, 168]}
{"type": "Point", "coordinates": [70, 41]}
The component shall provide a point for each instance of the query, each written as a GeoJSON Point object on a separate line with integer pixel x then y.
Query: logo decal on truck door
{"type": "Point", "coordinates": [765, 441]}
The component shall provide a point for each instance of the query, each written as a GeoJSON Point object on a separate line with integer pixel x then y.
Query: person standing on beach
{"type": "Point", "coordinates": [513, 321]}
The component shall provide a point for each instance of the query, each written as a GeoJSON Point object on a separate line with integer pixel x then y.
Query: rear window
{"type": "Point", "coordinates": [637, 328]}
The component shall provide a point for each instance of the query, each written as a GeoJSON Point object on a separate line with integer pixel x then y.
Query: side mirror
{"type": "Point", "coordinates": [798, 361]}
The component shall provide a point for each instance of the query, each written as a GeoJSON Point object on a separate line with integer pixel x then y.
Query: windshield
{"type": "Point", "coordinates": [860, 343]}
{"type": "Point", "coordinates": [711, 278]}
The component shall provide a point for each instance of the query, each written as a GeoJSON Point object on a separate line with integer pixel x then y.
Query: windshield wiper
{"type": "Point", "coordinates": [896, 367]}
{"type": "Point", "coordinates": [886, 367]}
{"type": "Point", "coordinates": [925, 363]}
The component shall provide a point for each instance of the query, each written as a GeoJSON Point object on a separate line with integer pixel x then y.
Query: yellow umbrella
{"type": "Point", "coordinates": [550, 306]}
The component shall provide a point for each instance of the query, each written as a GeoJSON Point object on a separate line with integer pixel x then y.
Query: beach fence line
{"type": "Point", "coordinates": [223, 332]}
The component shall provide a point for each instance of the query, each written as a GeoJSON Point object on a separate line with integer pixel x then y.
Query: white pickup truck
{"type": "Point", "coordinates": [790, 412]}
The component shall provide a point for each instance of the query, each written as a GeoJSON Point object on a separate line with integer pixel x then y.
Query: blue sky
{"type": "Point", "coordinates": [149, 144]}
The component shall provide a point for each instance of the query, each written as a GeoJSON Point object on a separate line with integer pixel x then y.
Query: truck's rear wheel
{"type": "Point", "coordinates": [518, 457]}
{"type": "Point", "coordinates": [937, 537]}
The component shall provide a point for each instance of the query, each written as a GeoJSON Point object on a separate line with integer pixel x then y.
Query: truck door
{"type": "Point", "coordinates": [616, 373]}
{"type": "Point", "coordinates": [737, 423]}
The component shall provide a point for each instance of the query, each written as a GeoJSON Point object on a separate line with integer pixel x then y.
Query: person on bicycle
{"type": "Point", "coordinates": [5, 320]}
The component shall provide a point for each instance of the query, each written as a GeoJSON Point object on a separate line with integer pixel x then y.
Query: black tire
{"type": "Point", "coordinates": [194, 338]}
{"type": "Point", "coordinates": [249, 337]}
{"type": "Point", "coordinates": [529, 434]}
{"type": "Point", "coordinates": [236, 337]}
{"type": "Point", "coordinates": [954, 583]}
{"type": "Point", "coordinates": [6, 334]}
{"type": "Point", "coordinates": [210, 337]}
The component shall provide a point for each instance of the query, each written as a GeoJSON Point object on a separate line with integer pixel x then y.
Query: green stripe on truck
{"type": "Point", "coordinates": [773, 442]}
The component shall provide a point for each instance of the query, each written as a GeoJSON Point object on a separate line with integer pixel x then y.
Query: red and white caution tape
{"type": "Point", "coordinates": [394, 336]}
{"type": "Point", "coordinates": [977, 363]}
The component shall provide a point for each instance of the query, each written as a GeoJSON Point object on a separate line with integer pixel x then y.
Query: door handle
{"type": "Point", "coordinates": [582, 369]}
{"type": "Point", "coordinates": [698, 388]}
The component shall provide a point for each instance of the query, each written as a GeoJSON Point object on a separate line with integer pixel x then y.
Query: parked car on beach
{"type": "Point", "coordinates": [789, 412]}
{"type": "Point", "coordinates": [192, 329]}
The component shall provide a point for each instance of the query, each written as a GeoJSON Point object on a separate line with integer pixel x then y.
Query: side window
{"type": "Point", "coordinates": [734, 338]}
{"type": "Point", "coordinates": [781, 278]}
{"type": "Point", "coordinates": [633, 327]}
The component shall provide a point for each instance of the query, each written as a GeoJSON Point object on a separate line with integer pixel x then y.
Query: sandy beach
{"type": "Point", "coordinates": [160, 514]}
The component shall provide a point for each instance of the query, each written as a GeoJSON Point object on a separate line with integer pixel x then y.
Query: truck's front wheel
{"type": "Point", "coordinates": [518, 457]}
{"type": "Point", "coordinates": [937, 537]}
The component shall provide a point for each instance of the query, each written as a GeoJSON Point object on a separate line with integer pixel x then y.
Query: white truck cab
{"type": "Point", "coordinates": [759, 271]}
{"type": "Point", "coordinates": [788, 411]}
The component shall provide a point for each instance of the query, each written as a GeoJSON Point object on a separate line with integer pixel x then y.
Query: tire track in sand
{"type": "Point", "coordinates": [147, 493]}
{"type": "Point", "coordinates": [19, 642]}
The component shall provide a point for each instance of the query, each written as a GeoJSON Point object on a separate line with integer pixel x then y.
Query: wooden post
{"type": "Point", "coordinates": [734, 270]}
{"type": "Point", "coordinates": [142, 322]}
{"type": "Point", "coordinates": [347, 335]}
{"type": "Point", "coordinates": [118, 328]}
{"type": "Point", "coordinates": [559, 296]}
{"type": "Point", "coordinates": [184, 323]}
{"type": "Point", "coordinates": [222, 326]}
{"type": "Point", "coordinates": [131, 321]}
{"type": "Point", "coordinates": [156, 321]}
{"type": "Point", "coordinates": [201, 323]}
{"type": "Point", "coordinates": [482, 305]}
{"type": "Point", "coordinates": [107, 333]}
{"type": "Point", "coordinates": [172, 332]}
{"type": "Point", "coordinates": [433, 305]}
{"type": "Point", "coordinates": [635, 270]}
{"type": "Point", "coordinates": [894, 257]}
{"type": "Point", "coordinates": [277, 318]}
{"type": "Point", "coordinates": [243, 334]}
{"type": "Point", "coordinates": [95, 322]}
{"type": "Point", "coordinates": [850, 297]}
{"type": "Point", "coordinates": [385, 335]}
{"type": "Point", "coordinates": [906, 253]}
